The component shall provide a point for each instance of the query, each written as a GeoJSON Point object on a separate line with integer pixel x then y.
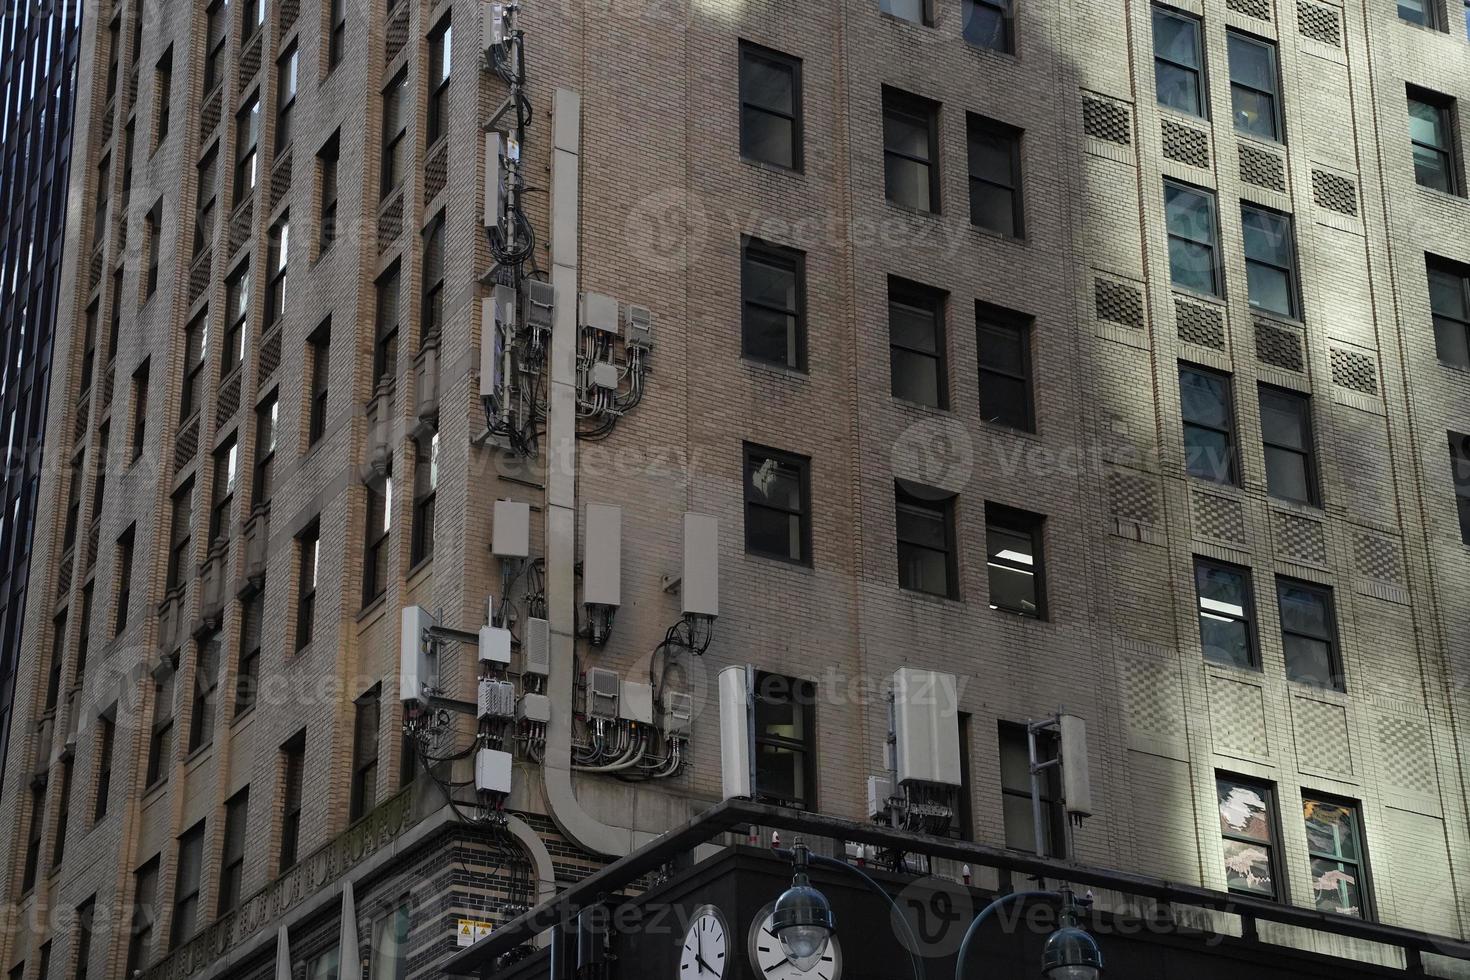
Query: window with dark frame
{"type": "Point", "coordinates": [1255, 86]}
{"type": "Point", "coordinates": [431, 322]}
{"type": "Point", "coordinates": [181, 540]}
{"type": "Point", "coordinates": [1179, 61]}
{"type": "Point", "coordinates": [770, 107]}
{"type": "Point", "coordinates": [196, 353]}
{"type": "Point", "coordinates": [114, 54]}
{"type": "Point", "coordinates": [104, 193]}
{"type": "Point", "coordinates": [914, 11]}
{"type": "Point", "coordinates": [995, 176]}
{"type": "Point", "coordinates": [33, 839]}
{"type": "Point", "coordinates": [63, 817]}
{"type": "Point", "coordinates": [1286, 434]}
{"type": "Point", "coordinates": [1449, 305]}
{"type": "Point", "coordinates": [910, 150]}
{"type": "Point", "coordinates": [385, 344]}
{"type": "Point", "coordinates": [252, 19]}
{"type": "Point", "coordinates": [1425, 13]}
{"type": "Point", "coordinates": [106, 741]}
{"type": "Point", "coordinates": [326, 161]}
{"type": "Point", "coordinates": [217, 33]}
{"type": "Point", "coordinates": [395, 133]}
{"type": "Point", "coordinates": [237, 325]}
{"type": "Point", "coordinates": [100, 467]}
{"type": "Point", "coordinates": [232, 851]}
{"type": "Point", "coordinates": [1309, 633]}
{"type": "Point", "coordinates": [441, 43]}
{"type": "Point", "coordinates": [1338, 855]}
{"type": "Point", "coordinates": [124, 574]}
{"type": "Point", "coordinates": [918, 367]}
{"type": "Point", "coordinates": [367, 710]}
{"type": "Point", "coordinates": [140, 408]}
{"type": "Point", "coordinates": [308, 546]}
{"type": "Point", "coordinates": [293, 764]}
{"type": "Point", "coordinates": [1194, 237]}
{"type": "Point", "coordinates": [247, 675]}
{"type": "Point", "coordinates": [161, 739]}
{"type": "Point", "coordinates": [773, 300]}
{"type": "Point", "coordinates": [1227, 609]}
{"type": "Point", "coordinates": [152, 225]}
{"type": "Point", "coordinates": [89, 347]}
{"type": "Point", "coordinates": [84, 633]}
{"type": "Point", "coordinates": [208, 197]}
{"type": "Point", "coordinates": [320, 350]}
{"type": "Point", "coordinates": [247, 150]}
{"type": "Point", "coordinates": [989, 24]}
{"type": "Point", "coordinates": [186, 919]}
{"type": "Point", "coordinates": [206, 683]}
{"type": "Point", "coordinates": [785, 741]}
{"type": "Point", "coordinates": [1016, 560]}
{"type": "Point", "coordinates": [286, 85]}
{"type": "Point", "coordinates": [86, 925]}
{"type": "Point", "coordinates": [1249, 837]}
{"type": "Point", "coordinates": [389, 959]}
{"type": "Point", "coordinates": [1432, 140]}
{"type": "Point", "coordinates": [267, 424]}
{"type": "Point", "coordinates": [375, 540]}
{"type": "Point", "coordinates": [226, 473]}
{"type": "Point", "coordinates": [1004, 366]}
{"type": "Point", "coordinates": [926, 540]}
{"type": "Point", "coordinates": [778, 505]}
{"type": "Point", "coordinates": [337, 36]}
{"type": "Point", "coordinates": [1015, 792]}
{"type": "Point", "coordinates": [145, 914]}
{"type": "Point", "coordinates": [57, 661]}
{"type": "Point", "coordinates": [277, 263]}
{"type": "Point", "coordinates": [1270, 259]}
{"type": "Point", "coordinates": [1208, 414]}
{"type": "Point", "coordinates": [163, 83]}
{"type": "Point", "coordinates": [425, 492]}
{"type": "Point", "coordinates": [1460, 469]}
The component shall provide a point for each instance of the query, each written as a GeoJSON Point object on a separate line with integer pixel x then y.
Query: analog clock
{"type": "Point", "coordinates": [770, 963]}
{"type": "Point", "coordinates": [705, 954]}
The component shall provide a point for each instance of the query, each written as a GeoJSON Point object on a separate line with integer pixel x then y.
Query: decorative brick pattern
{"type": "Point", "coordinates": [109, 381]}
{"type": "Point", "coordinates": [1319, 22]}
{"type": "Point", "coordinates": [1378, 558]}
{"type": "Point", "coordinates": [81, 420]}
{"type": "Point", "coordinates": [228, 401]}
{"type": "Point", "coordinates": [1218, 517]}
{"type": "Point", "coordinates": [1354, 370]}
{"type": "Point", "coordinates": [1406, 753]}
{"type": "Point", "coordinates": [242, 225]}
{"type": "Point", "coordinates": [1322, 742]}
{"type": "Point", "coordinates": [270, 355]}
{"type": "Point", "coordinates": [436, 172]}
{"type": "Point", "coordinates": [1262, 168]}
{"type": "Point", "coordinates": [1106, 120]}
{"type": "Point", "coordinates": [290, 10]}
{"type": "Point", "coordinates": [1155, 708]}
{"type": "Point", "coordinates": [109, 114]}
{"type": "Point", "coordinates": [94, 270]}
{"type": "Point", "coordinates": [94, 536]}
{"type": "Point", "coordinates": [1118, 303]}
{"type": "Point", "coordinates": [1278, 346]}
{"type": "Point", "coordinates": [396, 35]}
{"type": "Point", "coordinates": [1238, 718]}
{"type": "Point", "coordinates": [1260, 9]}
{"type": "Point", "coordinates": [1300, 539]}
{"type": "Point", "coordinates": [1186, 144]}
{"type": "Point", "coordinates": [209, 116]}
{"type": "Point", "coordinates": [1134, 498]}
{"type": "Point", "coordinates": [199, 275]}
{"type": "Point", "coordinates": [281, 181]}
{"type": "Point", "coordinates": [64, 573]}
{"type": "Point", "coordinates": [1199, 324]}
{"type": "Point", "coordinates": [390, 222]}
{"type": "Point", "coordinates": [1334, 193]}
{"type": "Point", "coordinates": [186, 446]}
{"type": "Point", "coordinates": [250, 60]}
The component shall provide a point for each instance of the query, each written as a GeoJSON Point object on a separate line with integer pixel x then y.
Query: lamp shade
{"type": "Point", "coordinates": [1071, 954]}
{"type": "Point", "coordinates": [803, 922]}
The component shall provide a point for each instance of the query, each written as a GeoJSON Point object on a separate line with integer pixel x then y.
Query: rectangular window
{"type": "Point", "coordinates": [1209, 424]}
{"type": "Point", "coordinates": [140, 408]}
{"type": "Point", "coordinates": [89, 346]}
{"type": "Point", "coordinates": [770, 107]}
{"type": "Point", "coordinates": [1466, 12]}
{"type": "Point", "coordinates": [226, 473]}
{"type": "Point", "coordinates": [104, 191]}
{"type": "Point", "coordinates": [196, 352]}
{"type": "Point", "coordinates": [425, 490]}
{"type": "Point", "coordinates": [161, 738]}
{"type": "Point", "coordinates": [99, 472]}
{"type": "Point", "coordinates": [337, 40]}
{"type": "Point", "coordinates": [1004, 344]}
{"type": "Point", "coordinates": [152, 223]}
{"type": "Point", "coordinates": [247, 677]}
{"type": "Point", "coordinates": [266, 424]}
{"type": "Point", "coordinates": [163, 83]}
{"type": "Point", "coordinates": [773, 292]}
{"type": "Point", "coordinates": [84, 632]}
{"type": "Point", "coordinates": [53, 671]}
{"type": "Point", "coordinates": [237, 312]}
{"type": "Point", "coordinates": [286, 82]}
{"type": "Point", "coordinates": [114, 53]}
{"type": "Point", "coordinates": [206, 681]}
{"type": "Point", "coordinates": [216, 34]}
{"type": "Point", "coordinates": [106, 740]}
{"type": "Point", "coordinates": [252, 18]}
{"type": "Point", "coordinates": [181, 541]}
{"type": "Point", "coordinates": [186, 885]}
{"type": "Point", "coordinates": [390, 946]}
{"type": "Point", "coordinates": [1432, 140]}
{"type": "Point", "coordinates": [247, 138]}
{"type": "Point", "coordinates": [145, 914]}
{"type": "Point", "coordinates": [778, 505]}
{"type": "Point", "coordinates": [1179, 62]}
{"type": "Point", "coordinates": [1016, 560]}
{"type": "Point", "coordinates": [1227, 630]}
{"type": "Point", "coordinates": [232, 851]}
{"type": "Point", "coordinates": [293, 762]}
{"type": "Point", "coordinates": [910, 150]}
{"type": "Point", "coordinates": [1015, 792]}
{"type": "Point", "coordinates": [1254, 86]}
{"type": "Point", "coordinates": [1449, 304]}
{"type": "Point", "coordinates": [785, 741]}
{"type": "Point", "coordinates": [395, 132]}
{"type": "Point", "coordinates": [124, 580]}
{"type": "Point", "coordinates": [365, 755]}
{"type": "Point", "coordinates": [320, 351]}
{"type": "Point", "coordinates": [1249, 837]}
{"type": "Point", "coordinates": [275, 284]}
{"type": "Point", "coordinates": [431, 323]}
{"type": "Point", "coordinates": [990, 24]}
{"type": "Point", "coordinates": [308, 546]}
{"type": "Point", "coordinates": [1339, 858]}
{"type": "Point", "coordinates": [995, 176]}
{"type": "Point", "coordinates": [1194, 237]}
{"type": "Point", "coordinates": [1460, 468]}
{"type": "Point", "coordinates": [325, 965]}
{"type": "Point", "coordinates": [926, 541]}
{"type": "Point", "coordinates": [441, 44]}
{"type": "Point", "coordinates": [916, 344]}
{"type": "Point", "coordinates": [326, 161]}
{"type": "Point", "coordinates": [375, 540]}
{"type": "Point", "coordinates": [33, 838]}
{"type": "Point", "coordinates": [1425, 13]}
{"type": "Point", "coordinates": [385, 345]}
{"type": "Point", "coordinates": [1270, 259]}
{"type": "Point", "coordinates": [63, 816]}
{"type": "Point", "coordinates": [1309, 633]}
{"type": "Point", "coordinates": [204, 216]}
{"type": "Point", "coordinates": [1286, 431]}
{"type": "Point", "coordinates": [86, 920]}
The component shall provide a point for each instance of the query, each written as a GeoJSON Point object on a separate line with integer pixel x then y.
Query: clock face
{"type": "Point", "coordinates": [705, 953]}
{"type": "Point", "coordinates": [770, 963]}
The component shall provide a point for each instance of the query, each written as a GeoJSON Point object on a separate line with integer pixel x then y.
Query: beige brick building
{"type": "Point", "coordinates": [954, 263]}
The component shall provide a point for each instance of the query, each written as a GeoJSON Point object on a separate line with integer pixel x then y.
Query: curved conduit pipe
{"type": "Point", "coordinates": [540, 860]}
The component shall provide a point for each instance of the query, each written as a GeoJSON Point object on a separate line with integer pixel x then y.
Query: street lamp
{"type": "Point", "coordinates": [802, 919]}
{"type": "Point", "coordinates": [1070, 952]}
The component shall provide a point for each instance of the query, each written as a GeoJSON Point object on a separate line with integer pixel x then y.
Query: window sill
{"type": "Point", "coordinates": [1437, 194]}
{"type": "Point", "coordinates": [152, 793]}
{"type": "Point", "coordinates": [776, 370]}
{"type": "Point", "coordinates": [775, 561]}
{"type": "Point", "coordinates": [933, 215]}
{"type": "Point", "coordinates": [943, 600]}
{"type": "Point", "coordinates": [1332, 695]}
{"type": "Point", "coordinates": [938, 411]}
{"type": "Point", "coordinates": [1010, 56]}
{"type": "Point", "coordinates": [1185, 293]}
{"type": "Point", "coordinates": [1254, 673]}
{"type": "Point", "coordinates": [992, 234]}
{"type": "Point", "coordinates": [195, 757]}
{"type": "Point", "coordinates": [1313, 511]}
{"type": "Point", "coordinates": [796, 173]}
{"type": "Point", "coordinates": [240, 718]}
{"type": "Point", "coordinates": [1008, 614]}
{"type": "Point", "coordinates": [1292, 322]}
{"type": "Point", "coordinates": [1233, 490]}
{"type": "Point", "coordinates": [373, 606]}
{"type": "Point", "coordinates": [1000, 428]}
{"type": "Point", "coordinates": [1169, 112]}
{"type": "Point", "coordinates": [423, 565]}
{"type": "Point", "coordinates": [895, 19]}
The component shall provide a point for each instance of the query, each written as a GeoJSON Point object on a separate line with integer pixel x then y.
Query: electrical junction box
{"type": "Point", "coordinates": [512, 529]}
{"type": "Point", "coordinates": [700, 586]}
{"type": "Point", "coordinates": [880, 788]}
{"type": "Point", "coordinates": [635, 702]}
{"type": "Point", "coordinates": [415, 656]}
{"type": "Point", "coordinates": [534, 708]}
{"type": "Point", "coordinates": [495, 645]}
{"type": "Point", "coordinates": [605, 375]}
{"type": "Point", "coordinates": [492, 348]}
{"type": "Point", "coordinates": [1076, 778]}
{"type": "Point", "coordinates": [497, 698]}
{"type": "Point", "coordinates": [493, 29]}
{"type": "Point", "coordinates": [678, 718]}
{"type": "Point", "coordinates": [602, 694]}
{"type": "Point", "coordinates": [602, 556]}
{"type": "Point", "coordinates": [540, 303]}
{"type": "Point", "coordinates": [638, 327]}
{"type": "Point", "coordinates": [492, 771]}
{"type": "Point", "coordinates": [734, 733]}
{"type": "Point", "coordinates": [499, 152]}
{"type": "Point", "coordinates": [926, 722]}
{"type": "Point", "coordinates": [536, 651]}
{"type": "Point", "coordinates": [599, 312]}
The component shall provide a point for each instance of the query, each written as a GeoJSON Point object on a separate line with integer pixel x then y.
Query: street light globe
{"type": "Point", "coordinates": [802, 919]}
{"type": "Point", "coordinates": [1071, 954]}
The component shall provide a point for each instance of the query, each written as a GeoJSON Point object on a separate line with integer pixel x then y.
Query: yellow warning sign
{"type": "Point", "coordinates": [471, 931]}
